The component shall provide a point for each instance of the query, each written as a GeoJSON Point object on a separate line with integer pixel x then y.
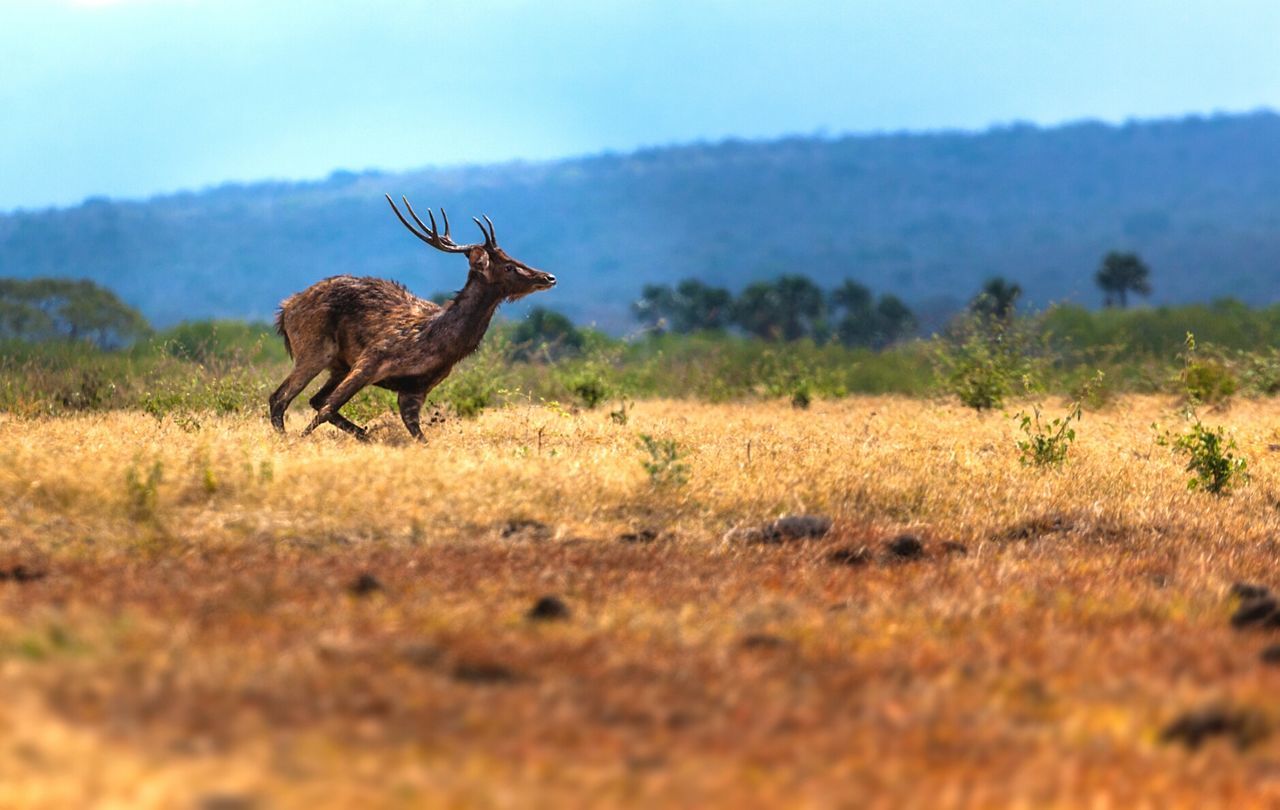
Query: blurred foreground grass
{"type": "Point", "coordinates": [213, 613]}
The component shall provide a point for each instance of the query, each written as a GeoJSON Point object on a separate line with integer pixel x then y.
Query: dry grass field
{"type": "Point", "coordinates": [213, 616]}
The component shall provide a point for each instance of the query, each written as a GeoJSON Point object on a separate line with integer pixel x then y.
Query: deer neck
{"type": "Point", "coordinates": [462, 324]}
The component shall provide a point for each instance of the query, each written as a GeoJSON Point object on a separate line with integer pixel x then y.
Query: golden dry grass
{"type": "Point", "coordinates": [199, 638]}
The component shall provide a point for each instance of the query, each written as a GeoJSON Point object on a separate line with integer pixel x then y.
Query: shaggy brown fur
{"type": "Point", "coordinates": [370, 331]}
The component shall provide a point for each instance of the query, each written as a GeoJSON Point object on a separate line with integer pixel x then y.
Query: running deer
{"type": "Point", "coordinates": [370, 331]}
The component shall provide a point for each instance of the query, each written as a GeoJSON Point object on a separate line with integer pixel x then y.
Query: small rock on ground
{"type": "Point", "coordinates": [521, 529]}
{"type": "Point", "coordinates": [905, 547]}
{"type": "Point", "coordinates": [548, 609]}
{"type": "Point", "coordinates": [226, 801]}
{"type": "Point", "coordinates": [784, 529]}
{"type": "Point", "coordinates": [1242, 727]}
{"type": "Point", "coordinates": [20, 573]}
{"type": "Point", "coordinates": [641, 536]}
{"type": "Point", "coordinates": [1254, 612]}
{"type": "Point", "coordinates": [364, 585]}
{"type": "Point", "coordinates": [1271, 654]}
{"type": "Point", "coordinates": [1247, 590]}
{"type": "Point", "coordinates": [483, 672]}
{"type": "Point", "coordinates": [853, 556]}
{"type": "Point", "coordinates": [762, 641]}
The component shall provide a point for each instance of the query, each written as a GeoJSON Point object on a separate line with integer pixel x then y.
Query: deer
{"type": "Point", "coordinates": [372, 331]}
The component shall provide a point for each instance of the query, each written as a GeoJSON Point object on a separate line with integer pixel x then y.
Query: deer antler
{"type": "Point", "coordinates": [431, 235]}
{"type": "Point", "coordinates": [490, 238]}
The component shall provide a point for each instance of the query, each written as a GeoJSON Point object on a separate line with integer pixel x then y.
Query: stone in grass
{"type": "Point", "coordinates": [905, 547]}
{"type": "Point", "coordinates": [853, 556]}
{"type": "Point", "coordinates": [762, 641]}
{"type": "Point", "coordinates": [524, 529]}
{"type": "Point", "coordinates": [484, 672]}
{"type": "Point", "coordinates": [20, 573]}
{"type": "Point", "coordinates": [783, 530]}
{"type": "Point", "coordinates": [1243, 727]}
{"type": "Point", "coordinates": [1271, 655]}
{"type": "Point", "coordinates": [548, 609]}
{"type": "Point", "coordinates": [227, 801]}
{"type": "Point", "coordinates": [641, 536]}
{"type": "Point", "coordinates": [1259, 611]}
{"type": "Point", "coordinates": [364, 585]}
{"type": "Point", "coordinates": [1247, 590]}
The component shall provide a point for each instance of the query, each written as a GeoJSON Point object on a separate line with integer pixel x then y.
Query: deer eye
{"type": "Point", "coordinates": [511, 268]}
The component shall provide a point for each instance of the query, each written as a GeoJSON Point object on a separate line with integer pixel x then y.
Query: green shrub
{"type": "Point", "coordinates": [1260, 372]}
{"type": "Point", "coordinates": [588, 386]}
{"type": "Point", "coordinates": [142, 492]}
{"type": "Point", "coordinates": [1211, 458]}
{"type": "Point", "coordinates": [662, 462]}
{"type": "Point", "coordinates": [801, 397]}
{"type": "Point", "coordinates": [1205, 380]}
{"type": "Point", "coordinates": [983, 362]}
{"type": "Point", "coordinates": [1046, 443]}
{"type": "Point", "coordinates": [369, 404]}
{"type": "Point", "coordinates": [476, 382]}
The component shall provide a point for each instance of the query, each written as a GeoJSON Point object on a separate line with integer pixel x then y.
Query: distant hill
{"type": "Point", "coordinates": [926, 216]}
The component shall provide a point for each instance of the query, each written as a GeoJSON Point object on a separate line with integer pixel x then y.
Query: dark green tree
{"type": "Point", "coordinates": [700, 307]}
{"type": "Point", "coordinates": [1120, 274]}
{"type": "Point", "coordinates": [896, 320]}
{"type": "Point", "coordinates": [856, 321]}
{"type": "Point", "coordinates": [862, 321]}
{"type": "Point", "coordinates": [654, 307]}
{"type": "Point", "coordinates": [546, 333]}
{"type": "Point", "coordinates": [691, 307]}
{"type": "Point", "coordinates": [997, 300]}
{"type": "Point", "coordinates": [58, 308]}
{"type": "Point", "coordinates": [789, 308]}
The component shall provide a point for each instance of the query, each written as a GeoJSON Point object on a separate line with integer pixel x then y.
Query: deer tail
{"type": "Point", "coordinates": [280, 328]}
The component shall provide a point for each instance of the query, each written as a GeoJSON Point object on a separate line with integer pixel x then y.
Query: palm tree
{"type": "Point", "coordinates": [1121, 273]}
{"type": "Point", "coordinates": [997, 300]}
{"type": "Point", "coordinates": [788, 308]}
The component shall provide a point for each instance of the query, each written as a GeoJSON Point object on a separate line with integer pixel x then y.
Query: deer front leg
{"type": "Point", "coordinates": [337, 420]}
{"type": "Point", "coordinates": [348, 388]}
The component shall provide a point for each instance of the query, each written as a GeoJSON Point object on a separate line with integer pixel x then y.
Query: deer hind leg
{"type": "Point", "coordinates": [303, 373]}
{"type": "Point", "coordinates": [338, 420]}
{"type": "Point", "coordinates": [344, 391]}
{"type": "Point", "coordinates": [410, 403]}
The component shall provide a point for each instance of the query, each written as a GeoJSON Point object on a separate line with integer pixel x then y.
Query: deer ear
{"type": "Point", "coordinates": [479, 260]}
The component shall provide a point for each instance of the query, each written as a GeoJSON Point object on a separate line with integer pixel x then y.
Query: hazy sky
{"type": "Point", "coordinates": [128, 98]}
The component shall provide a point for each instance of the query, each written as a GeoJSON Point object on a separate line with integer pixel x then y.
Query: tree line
{"type": "Point", "coordinates": [788, 308]}
{"type": "Point", "coordinates": [792, 307]}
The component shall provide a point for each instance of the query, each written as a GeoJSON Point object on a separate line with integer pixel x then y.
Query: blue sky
{"type": "Point", "coordinates": [128, 98]}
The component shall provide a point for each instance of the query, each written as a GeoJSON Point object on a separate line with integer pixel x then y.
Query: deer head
{"type": "Point", "coordinates": [491, 266]}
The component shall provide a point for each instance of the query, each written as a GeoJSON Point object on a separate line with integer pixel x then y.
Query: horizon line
{"type": "Point", "coordinates": [820, 134]}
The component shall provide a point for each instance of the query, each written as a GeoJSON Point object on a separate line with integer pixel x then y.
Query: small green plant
{"type": "Point", "coordinates": [588, 386]}
{"type": "Point", "coordinates": [1212, 458]}
{"type": "Point", "coordinates": [477, 383]}
{"type": "Point", "coordinates": [1205, 380]}
{"type": "Point", "coordinates": [1046, 443]}
{"type": "Point", "coordinates": [370, 404]}
{"type": "Point", "coordinates": [619, 415]}
{"type": "Point", "coordinates": [142, 493]}
{"type": "Point", "coordinates": [662, 462]}
{"type": "Point", "coordinates": [801, 395]}
{"type": "Point", "coordinates": [470, 394]}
